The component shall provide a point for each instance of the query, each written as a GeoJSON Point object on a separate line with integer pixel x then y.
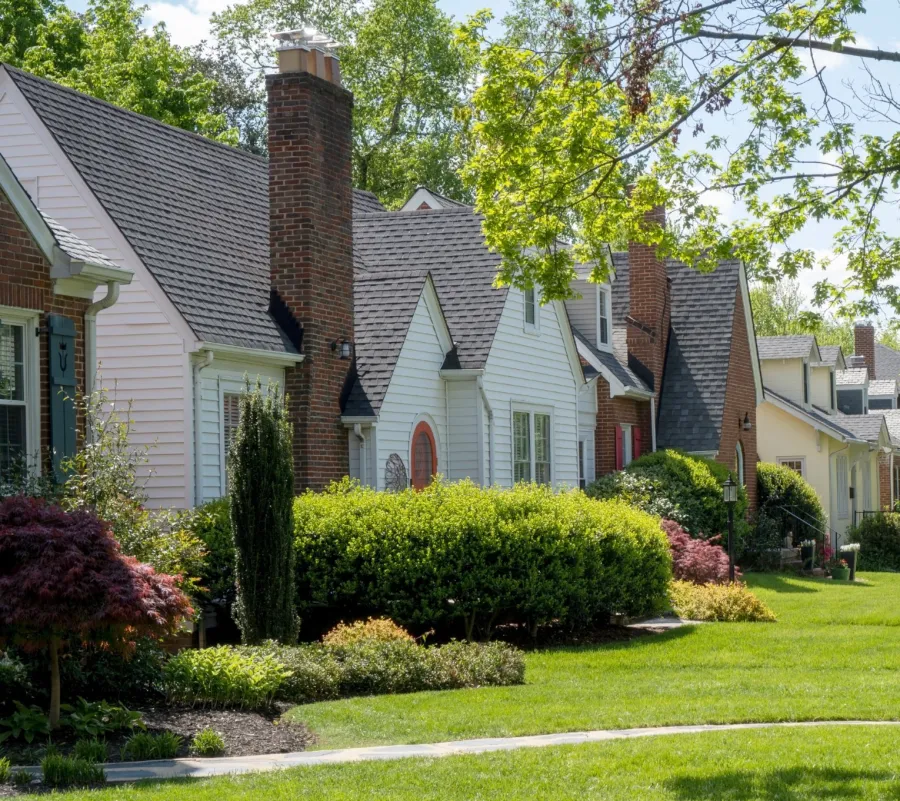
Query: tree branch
{"type": "Point", "coordinates": [786, 41]}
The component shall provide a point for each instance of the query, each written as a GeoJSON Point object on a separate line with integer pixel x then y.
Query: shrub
{"type": "Point", "coordinates": [211, 524]}
{"type": "Point", "coordinates": [143, 746]}
{"type": "Point", "coordinates": [730, 603]}
{"type": "Point", "coordinates": [65, 578]}
{"type": "Point", "coordinates": [208, 743]}
{"type": "Point", "coordinates": [381, 628]}
{"type": "Point", "coordinates": [224, 677]}
{"type": "Point", "coordinates": [62, 771]}
{"type": "Point", "coordinates": [14, 680]}
{"type": "Point", "coordinates": [322, 672]}
{"type": "Point", "coordinates": [26, 723]}
{"type": "Point", "coordinates": [95, 718]}
{"type": "Point", "coordinates": [460, 553]}
{"type": "Point", "coordinates": [5, 770]}
{"type": "Point", "coordinates": [21, 779]}
{"type": "Point", "coordinates": [261, 480]}
{"type": "Point", "coordinates": [97, 673]}
{"type": "Point", "coordinates": [694, 485]}
{"type": "Point", "coordinates": [783, 497]}
{"type": "Point", "coordinates": [698, 561]}
{"type": "Point", "coordinates": [879, 540]}
{"type": "Point", "coordinates": [92, 750]}
{"type": "Point", "coordinates": [642, 492]}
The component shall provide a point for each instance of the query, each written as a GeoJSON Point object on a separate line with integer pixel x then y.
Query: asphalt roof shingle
{"type": "Point", "coordinates": [882, 387]}
{"type": "Point", "coordinates": [194, 210]}
{"type": "Point", "coordinates": [791, 346]}
{"type": "Point", "coordinates": [864, 426]}
{"type": "Point", "coordinates": [830, 354]}
{"type": "Point", "coordinates": [887, 362]}
{"type": "Point", "coordinates": [75, 248]}
{"type": "Point", "coordinates": [610, 361]}
{"type": "Point", "coordinates": [855, 376]}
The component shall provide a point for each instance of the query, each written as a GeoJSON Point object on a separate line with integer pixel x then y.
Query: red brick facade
{"type": "Point", "coordinates": [25, 283]}
{"type": "Point", "coordinates": [613, 412]}
{"type": "Point", "coordinates": [310, 229]}
{"type": "Point", "coordinates": [884, 482]}
{"type": "Point", "coordinates": [740, 402]}
{"type": "Point", "coordinates": [864, 345]}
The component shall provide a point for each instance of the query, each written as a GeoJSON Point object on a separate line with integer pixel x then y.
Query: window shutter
{"type": "Point", "coordinates": [620, 449]}
{"type": "Point", "coordinates": [635, 442]}
{"type": "Point", "coordinates": [61, 341]}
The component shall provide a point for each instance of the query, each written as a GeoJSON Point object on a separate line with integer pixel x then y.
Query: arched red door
{"type": "Point", "coordinates": [424, 456]}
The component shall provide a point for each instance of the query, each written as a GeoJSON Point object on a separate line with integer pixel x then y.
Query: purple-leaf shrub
{"type": "Point", "coordinates": [695, 560]}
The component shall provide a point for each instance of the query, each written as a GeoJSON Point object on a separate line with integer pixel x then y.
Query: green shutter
{"type": "Point", "coordinates": [62, 390]}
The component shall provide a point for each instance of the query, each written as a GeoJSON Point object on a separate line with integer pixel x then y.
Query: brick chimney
{"type": "Point", "coordinates": [311, 243]}
{"type": "Point", "coordinates": [649, 305]}
{"type": "Point", "coordinates": [864, 344]}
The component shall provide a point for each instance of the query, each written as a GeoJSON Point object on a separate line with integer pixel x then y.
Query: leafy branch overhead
{"type": "Point", "coordinates": [687, 104]}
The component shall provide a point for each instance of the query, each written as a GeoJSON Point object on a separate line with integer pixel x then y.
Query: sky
{"type": "Point", "coordinates": [188, 23]}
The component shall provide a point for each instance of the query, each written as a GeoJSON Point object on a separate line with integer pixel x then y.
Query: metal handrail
{"type": "Point", "coordinates": [828, 532]}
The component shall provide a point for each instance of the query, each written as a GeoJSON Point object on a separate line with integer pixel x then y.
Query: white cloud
{"type": "Point", "coordinates": [187, 23]}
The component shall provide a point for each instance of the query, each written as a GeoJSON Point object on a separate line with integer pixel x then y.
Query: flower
{"type": "Point", "coordinates": [850, 546]}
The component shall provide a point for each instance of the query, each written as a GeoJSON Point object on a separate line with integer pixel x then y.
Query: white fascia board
{"type": "Point", "coordinates": [751, 335]}
{"type": "Point", "coordinates": [565, 327]}
{"type": "Point", "coordinates": [350, 420]}
{"type": "Point", "coordinates": [24, 206]}
{"type": "Point", "coordinates": [251, 355]}
{"type": "Point", "coordinates": [616, 387]}
{"type": "Point", "coordinates": [420, 196]}
{"type": "Point", "coordinates": [437, 315]}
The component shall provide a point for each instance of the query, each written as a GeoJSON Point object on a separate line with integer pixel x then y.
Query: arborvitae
{"type": "Point", "coordinates": [261, 487]}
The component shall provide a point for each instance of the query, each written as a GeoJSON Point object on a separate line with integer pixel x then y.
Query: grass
{"type": "Point", "coordinates": [837, 763]}
{"type": "Point", "coordinates": [833, 654]}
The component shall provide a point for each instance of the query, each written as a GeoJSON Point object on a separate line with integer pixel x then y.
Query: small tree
{"type": "Point", "coordinates": [63, 577]}
{"type": "Point", "coordinates": [261, 486]}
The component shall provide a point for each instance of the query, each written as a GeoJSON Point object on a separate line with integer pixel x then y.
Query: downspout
{"type": "Point", "coordinates": [207, 360]}
{"type": "Point", "coordinates": [490, 412]}
{"type": "Point", "coordinates": [357, 431]}
{"type": "Point", "coordinates": [447, 429]}
{"type": "Point", "coordinates": [653, 423]}
{"type": "Point", "coordinates": [90, 333]}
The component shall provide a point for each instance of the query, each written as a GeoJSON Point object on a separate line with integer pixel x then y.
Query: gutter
{"type": "Point", "coordinates": [207, 360]}
{"type": "Point", "coordinates": [363, 456]}
{"type": "Point", "coordinates": [276, 357]}
{"type": "Point", "coordinates": [90, 333]}
{"type": "Point", "coordinates": [653, 423]}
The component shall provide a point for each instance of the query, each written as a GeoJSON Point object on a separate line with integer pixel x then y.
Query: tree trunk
{"type": "Point", "coordinates": [54, 683]}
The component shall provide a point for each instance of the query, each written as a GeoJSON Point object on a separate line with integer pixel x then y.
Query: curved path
{"type": "Point", "coordinates": [198, 768]}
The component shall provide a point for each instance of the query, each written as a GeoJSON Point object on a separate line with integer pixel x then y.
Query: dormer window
{"type": "Point", "coordinates": [531, 308]}
{"type": "Point", "coordinates": [602, 316]}
{"type": "Point", "coordinates": [831, 393]}
{"type": "Point", "coordinates": [806, 383]}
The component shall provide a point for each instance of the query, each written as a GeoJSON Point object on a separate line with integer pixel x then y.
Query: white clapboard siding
{"type": "Point", "coordinates": [532, 370]}
{"type": "Point", "coordinates": [583, 311]}
{"type": "Point", "coordinates": [221, 378]}
{"type": "Point", "coordinates": [416, 392]}
{"type": "Point", "coordinates": [142, 356]}
{"type": "Point", "coordinates": [587, 426]}
{"type": "Point", "coordinates": [464, 440]}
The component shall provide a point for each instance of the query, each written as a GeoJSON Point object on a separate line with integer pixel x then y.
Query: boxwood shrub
{"type": "Point", "coordinates": [782, 490]}
{"type": "Point", "coordinates": [458, 553]}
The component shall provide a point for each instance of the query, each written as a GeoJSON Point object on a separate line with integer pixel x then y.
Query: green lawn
{"type": "Point", "coordinates": [839, 763]}
{"type": "Point", "coordinates": [833, 654]}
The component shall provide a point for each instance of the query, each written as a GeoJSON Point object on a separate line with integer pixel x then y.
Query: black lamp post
{"type": "Point", "coordinates": [729, 496]}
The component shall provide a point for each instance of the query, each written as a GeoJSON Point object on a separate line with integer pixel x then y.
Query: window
{"type": "Point", "coordinates": [231, 416]}
{"type": "Point", "coordinates": [531, 308]}
{"type": "Point", "coordinates": [532, 444]}
{"type": "Point", "coordinates": [628, 445]}
{"type": "Point", "coordinates": [795, 463]}
{"type": "Point", "coordinates": [805, 382]}
{"type": "Point", "coordinates": [739, 463]}
{"type": "Point", "coordinates": [424, 456]}
{"type": "Point", "coordinates": [831, 394]}
{"type": "Point", "coordinates": [602, 316]}
{"type": "Point", "coordinates": [843, 487]}
{"type": "Point", "coordinates": [13, 411]}
{"type": "Point", "coordinates": [896, 496]}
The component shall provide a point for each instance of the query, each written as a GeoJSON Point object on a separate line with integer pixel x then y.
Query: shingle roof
{"type": "Point", "coordinates": [864, 426]}
{"type": "Point", "coordinates": [621, 371]}
{"type": "Point", "coordinates": [882, 387]}
{"type": "Point", "coordinates": [383, 306]}
{"type": "Point", "coordinates": [75, 248]}
{"type": "Point", "coordinates": [449, 244]}
{"type": "Point", "coordinates": [829, 354]}
{"type": "Point", "coordinates": [855, 376]}
{"type": "Point", "coordinates": [195, 211]}
{"type": "Point", "coordinates": [817, 415]}
{"type": "Point", "coordinates": [792, 346]}
{"type": "Point", "coordinates": [892, 418]}
{"type": "Point", "coordinates": [887, 362]}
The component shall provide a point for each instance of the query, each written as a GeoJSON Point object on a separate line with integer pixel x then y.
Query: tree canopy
{"type": "Point", "coordinates": [106, 53]}
{"type": "Point", "coordinates": [561, 120]}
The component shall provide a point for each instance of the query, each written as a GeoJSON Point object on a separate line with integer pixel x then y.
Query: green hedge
{"type": "Point", "coordinates": [879, 542]}
{"type": "Point", "coordinates": [681, 486]}
{"type": "Point", "coordinates": [459, 553]}
{"type": "Point", "coordinates": [781, 488]}
{"type": "Point", "coordinates": [211, 524]}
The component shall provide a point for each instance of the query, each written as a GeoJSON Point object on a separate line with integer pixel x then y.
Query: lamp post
{"type": "Point", "coordinates": [729, 496]}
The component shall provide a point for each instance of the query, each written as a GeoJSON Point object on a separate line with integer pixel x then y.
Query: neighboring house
{"type": "Point", "coordinates": [675, 354]}
{"type": "Point", "coordinates": [48, 278]}
{"type": "Point", "coordinates": [399, 357]}
{"type": "Point", "coordinates": [801, 428]}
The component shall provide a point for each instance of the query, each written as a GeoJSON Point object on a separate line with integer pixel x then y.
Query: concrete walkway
{"type": "Point", "coordinates": [198, 768]}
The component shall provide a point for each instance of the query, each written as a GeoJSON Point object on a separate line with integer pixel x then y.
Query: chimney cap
{"type": "Point", "coordinates": [306, 39]}
{"type": "Point", "coordinates": [864, 324]}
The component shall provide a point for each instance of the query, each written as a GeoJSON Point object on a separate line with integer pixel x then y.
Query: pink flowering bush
{"type": "Point", "coordinates": [697, 561]}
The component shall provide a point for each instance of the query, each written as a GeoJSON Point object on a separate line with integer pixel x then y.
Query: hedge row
{"type": "Point", "coordinates": [457, 553]}
{"type": "Point", "coordinates": [879, 540]}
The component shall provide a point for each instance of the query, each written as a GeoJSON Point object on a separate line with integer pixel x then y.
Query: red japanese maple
{"type": "Point", "coordinates": [696, 560]}
{"type": "Point", "coordinates": [63, 577]}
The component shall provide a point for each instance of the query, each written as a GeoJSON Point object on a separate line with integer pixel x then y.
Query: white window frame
{"type": "Point", "coordinates": [627, 444]}
{"type": "Point", "coordinates": [783, 460]}
{"type": "Point", "coordinates": [842, 486]}
{"type": "Point", "coordinates": [604, 311]}
{"type": "Point", "coordinates": [807, 389]}
{"type": "Point", "coordinates": [28, 320]}
{"type": "Point", "coordinates": [531, 411]}
{"type": "Point", "coordinates": [535, 327]}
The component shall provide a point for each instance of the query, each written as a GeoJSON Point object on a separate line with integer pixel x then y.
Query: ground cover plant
{"type": "Point", "coordinates": [839, 762]}
{"type": "Point", "coordinates": [689, 675]}
{"type": "Point", "coordinates": [727, 603]}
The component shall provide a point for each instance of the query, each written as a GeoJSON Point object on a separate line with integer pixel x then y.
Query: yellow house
{"type": "Point", "coordinates": [799, 426]}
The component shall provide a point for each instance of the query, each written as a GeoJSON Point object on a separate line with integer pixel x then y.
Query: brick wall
{"type": "Point", "coordinates": [864, 345]}
{"type": "Point", "coordinates": [884, 481]}
{"type": "Point", "coordinates": [610, 413]}
{"type": "Point", "coordinates": [649, 305]}
{"type": "Point", "coordinates": [25, 283]}
{"type": "Point", "coordinates": [310, 229]}
{"type": "Point", "coordinates": [740, 400]}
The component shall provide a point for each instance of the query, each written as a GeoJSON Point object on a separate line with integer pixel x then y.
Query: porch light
{"type": "Point", "coordinates": [729, 496]}
{"type": "Point", "coordinates": [747, 424]}
{"type": "Point", "coordinates": [343, 347]}
{"type": "Point", "coordinates": [729, 491]}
